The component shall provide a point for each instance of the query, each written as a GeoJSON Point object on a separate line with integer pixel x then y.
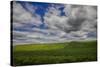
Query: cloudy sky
{"type": "Point", "coordinates": [35, 22]}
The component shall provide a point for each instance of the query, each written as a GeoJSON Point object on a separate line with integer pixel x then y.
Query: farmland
{"type": "Point", "coordinates": [52, 53]}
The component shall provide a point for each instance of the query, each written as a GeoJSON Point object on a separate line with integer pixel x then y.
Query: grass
{"type": "Point", "coordinates": [68, 52]}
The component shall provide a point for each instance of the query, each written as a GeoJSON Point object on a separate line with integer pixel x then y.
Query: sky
{"type": "Point", "coordinates": [38, 22]}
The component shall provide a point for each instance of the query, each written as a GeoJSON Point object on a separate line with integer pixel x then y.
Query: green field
{"type": "Point", "coordinates": [52, 53]}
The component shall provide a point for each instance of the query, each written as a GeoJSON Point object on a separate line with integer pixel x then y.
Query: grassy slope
{"type": "Point", "coordinates": [55, 53]}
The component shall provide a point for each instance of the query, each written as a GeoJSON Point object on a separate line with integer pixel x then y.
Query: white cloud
{"type": "Point", "coordinates": [38, 36]}
{"type": "Point", "coordinates": [78, 22]}
{"type": "Point", "coordinates": [20, 15]}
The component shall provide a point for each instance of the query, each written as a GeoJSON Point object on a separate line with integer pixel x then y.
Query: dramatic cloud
{"type": "Point", "coordinates": [78, 19]}
{"type": "Point", "coordinates": [58, 23]}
